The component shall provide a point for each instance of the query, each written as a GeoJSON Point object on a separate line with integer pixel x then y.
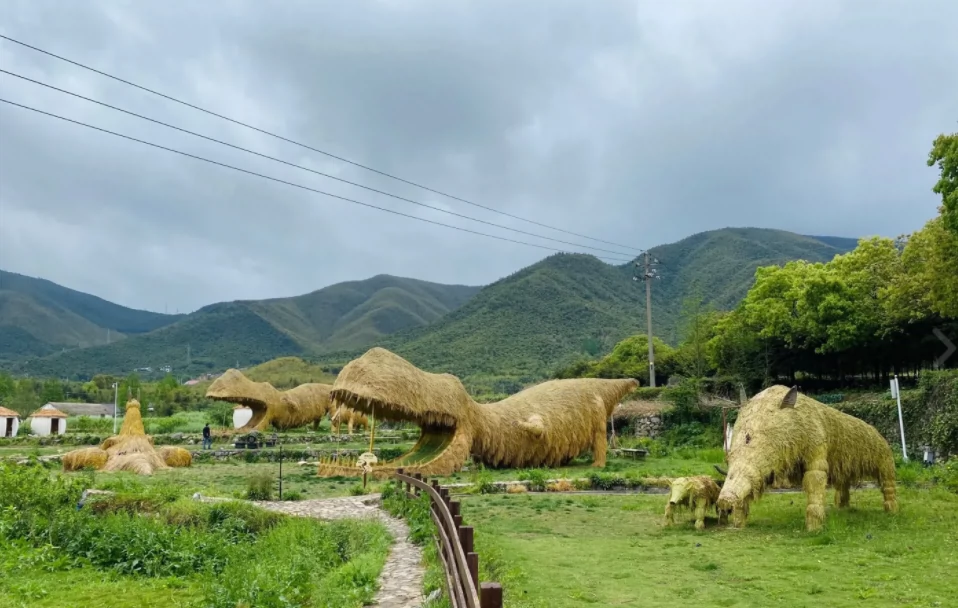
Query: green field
{"type": "Point", "coordinates": [573, 550]}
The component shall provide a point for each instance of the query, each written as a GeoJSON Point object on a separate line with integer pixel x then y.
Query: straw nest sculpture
{"type": "Point", "coordinates": [698, 494]}
{"type": "Point", "coordinates": [131, 450]}
{"type": "Point", "coordinates": [782, 435]}
{"type": "Point", "coordinates": [299, 406]}
{"type": "Point", "coordinates": [544, 425]}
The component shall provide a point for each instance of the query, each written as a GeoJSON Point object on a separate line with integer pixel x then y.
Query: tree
{"type": "Point", "coordinates": [698, 326]}
{"type": "Point", "coordinates": [8, 386]}
{"type": "Point", "coordinates": [52, 391]}
{"type": "Point", "coordinates": [944, 152]}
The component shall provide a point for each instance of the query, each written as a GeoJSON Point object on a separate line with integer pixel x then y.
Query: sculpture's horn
{"type": "Point", "coordinates": [721, 472]}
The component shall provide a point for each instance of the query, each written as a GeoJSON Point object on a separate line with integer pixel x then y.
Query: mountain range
{"type": "Point", "coordinates": [524, 325]}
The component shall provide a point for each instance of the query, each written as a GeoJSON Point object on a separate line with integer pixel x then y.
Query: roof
{"type": "Point", "coordinates": [48, 411]}
{"type": "Point", "coordinates": [7, 413]}
{"type": "Point", "coordinates": [83, 409]}
{"type": "Point", "coordinates": [638, 409]}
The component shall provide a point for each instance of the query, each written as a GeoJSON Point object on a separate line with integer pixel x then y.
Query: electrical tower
{"type": "Point", "coordinates": [647, 274]}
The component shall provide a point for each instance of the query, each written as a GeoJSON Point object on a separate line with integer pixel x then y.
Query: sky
{"type": "Point", "coordinates": [636, 123]}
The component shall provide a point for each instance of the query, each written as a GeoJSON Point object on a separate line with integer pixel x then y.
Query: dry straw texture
{"type": "Point", "coordinates": [545, 425]}
{"type": "Point", "coordinates": [131, 450]}
{"type": "Point", "coordinates": [48, 413]}
{"type": "Point", "coordinates": [698, 494]}
{"type": "Point", "coordinates": [784, 436]}
{"type": "Point", "coordinates": [8, 413]}
{"type": "Point", "coordinates": [299, 406]}
{"type": "Point", "coordinates": [354, 420]}
{"type": "Point", "coordinates": [175, 456]}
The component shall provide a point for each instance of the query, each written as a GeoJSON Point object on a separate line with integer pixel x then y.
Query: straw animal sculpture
{"type": "Point", "coordinates": [781, 434]}
{"type": "Point", "coordinates": [543, 426]}
{"type": "Point", "coordinates": [698, 494]}
{"type": "Point", "coordinates": [354, 420]}
{"type": "Point", "coordinates": [299, 406]}
{"type": "Point", "coordinates": [131, 450]}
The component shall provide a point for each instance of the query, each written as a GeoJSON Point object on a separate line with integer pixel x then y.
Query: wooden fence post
{"type": "Point", "coordinates": [490, 595]}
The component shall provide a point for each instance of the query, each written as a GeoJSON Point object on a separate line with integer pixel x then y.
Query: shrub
{"type": "Point", "coordinates": [292, 495]}
{"type": "Point", "coordinates": [482, 481]}
{"type": "Point", "coordinates": [536, 477]}
{"type": "Point", "coordinates": [357, 490]}
{"type": "Point", "coordinates": [259, 486]}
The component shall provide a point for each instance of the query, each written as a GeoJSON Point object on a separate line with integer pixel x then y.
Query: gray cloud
{"type": "Point", "coordinates": [639, 123]}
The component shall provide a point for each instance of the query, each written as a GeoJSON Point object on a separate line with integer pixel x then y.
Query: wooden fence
{"type": "Point", "coordinates": [456, 547]}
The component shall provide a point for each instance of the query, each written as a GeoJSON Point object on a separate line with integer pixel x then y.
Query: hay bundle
{"type": "Point", "coordinates": [299, 406]}
{"type": "Point", "coordinates": [546, 425]}
{"type": "Point", "coordinates": [175, 456]}
{"type": "Point", "coordinates": [562, 485]}
{"type": "Point", "coordinates": [784, 437]}
{"type": "Point", "coordinates": [699, 494]}
{"type": "Point", "coordinates": [354, 420]}
{"type": "Point", "coordinates": [131, 450]}
{"type": "Point", "coordinates": [85, 458]}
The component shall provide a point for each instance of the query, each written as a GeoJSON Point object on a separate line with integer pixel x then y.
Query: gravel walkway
{"type": "Point", "coordinates": [400, 583]}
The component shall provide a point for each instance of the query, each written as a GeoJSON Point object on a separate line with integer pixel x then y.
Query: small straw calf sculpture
{"type": "Point", "coordinates": [299, 406]}
{"type": "Point", "coordinates": [781, 435]}
{"type": "Point", "coordinates": [698, 494]}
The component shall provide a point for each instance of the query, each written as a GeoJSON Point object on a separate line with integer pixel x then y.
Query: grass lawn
{"type": "Point", "coordinates": [572, 550]}
{"type": "Point", "coordinates": [31, 579]}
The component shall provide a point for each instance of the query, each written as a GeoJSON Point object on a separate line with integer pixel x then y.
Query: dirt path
{"type": "Point", "coordinates": [400, 583]}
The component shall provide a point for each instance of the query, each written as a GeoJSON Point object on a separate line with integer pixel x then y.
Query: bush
{"type": "Point", "coordinates": [259, 486]}
{"type": "Point", "coordinates": [357, 490]}
{"type": "Point", "coordinates": [536, 477]}
{"type": "Point", "coordinates": [482, 481]}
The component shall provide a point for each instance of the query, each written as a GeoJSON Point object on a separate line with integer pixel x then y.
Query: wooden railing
{"type": "Point", "coordinates": [456, 546]}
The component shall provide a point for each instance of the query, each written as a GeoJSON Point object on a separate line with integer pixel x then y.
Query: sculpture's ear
{"type": "Point", "coordinates": [791, 397]}
{"type": "Point", "coordinates": [742, 397]}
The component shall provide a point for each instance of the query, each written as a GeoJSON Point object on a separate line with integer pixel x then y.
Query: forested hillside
{"type": "Point", "coordinates": [343, 316]}
{"type": "Point", "coordinates": [570, 305]}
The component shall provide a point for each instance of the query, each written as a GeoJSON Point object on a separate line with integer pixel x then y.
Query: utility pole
{"type": "Point", "coordinates": [647, 275]}
{"type": "Point", "coordinates": [116, 395]}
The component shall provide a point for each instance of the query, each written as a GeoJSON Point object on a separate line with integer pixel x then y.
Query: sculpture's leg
{"type": "Point", "coordinates": [739, 515]}
{"type": "Point", "coordinates": [669, 515]}
{"type": "Point", "coordinates": [599, 444]}
{"type": "Point", "coordinates": [349, 426]}
{"type": "Point", "coordinates": [699, 513]}
{"type": "Point", "coordinates": [842, 495]}
{"type": "Point", "coordinates": [722, 516]}
{"type": "Point", "coordinates": [886, 478]}
{"type": "Point", "coordinates": [814, 485]}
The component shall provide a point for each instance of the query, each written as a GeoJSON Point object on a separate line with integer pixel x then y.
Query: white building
{"type": "Point", "coordinates": [48, 421]}
{"type": "Point", "coordinates": [9, 422]}
{"type": "Point", "coordinates": [241, 415]}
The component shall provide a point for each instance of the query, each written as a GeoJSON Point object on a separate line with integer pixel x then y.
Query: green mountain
{"type": "Point", "coordinates": [38, 317]}
{"type": "Point", "coordinates": [345, 316]}
{"type": "Point", "coordinates": [570, 305]}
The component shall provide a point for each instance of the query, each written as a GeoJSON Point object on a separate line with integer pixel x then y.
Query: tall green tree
{"type": "Point", "coordinates": [944, 153]}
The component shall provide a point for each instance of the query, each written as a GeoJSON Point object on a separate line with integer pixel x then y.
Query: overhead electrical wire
{"type": "Point", "coordinates": [288, 183]}
{"type": "Point", "coordinates": [327, 175]}
{"type": "Point", "coordinates": [308, 147]}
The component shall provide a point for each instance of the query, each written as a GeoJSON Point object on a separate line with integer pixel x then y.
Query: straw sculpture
{"type": "Point", "coordinates": [698, 494]}
{"type": "Point", "coordinates": [352, 418]}
{"type": "Point", "coordinates": [782, 435]}
{"type": "Point", "coordinates": [299, 406]}
{"type": "Point", "coordinates": [543, 426]}
{"type": "Point", "coordinates": [131, 450]}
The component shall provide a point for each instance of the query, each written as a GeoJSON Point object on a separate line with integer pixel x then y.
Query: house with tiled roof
{"type": "Point", "coordinates": [48, 420]}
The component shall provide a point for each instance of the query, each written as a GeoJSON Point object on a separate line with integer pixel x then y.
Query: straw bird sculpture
{"type": "Point", "coordinates": [699, 494]}
{"type": "Point", "coordinates": [131, 450]}
{"type": "Point", "coordinates": [545, 425]}
{"type": "Point", "coordinates": [782, 435]}
{"type": "Point", "coordinates": [299, 406]}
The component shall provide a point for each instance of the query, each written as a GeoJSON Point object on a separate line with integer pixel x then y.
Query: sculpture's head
{"type": "Point", "coordinates": [680, 490]}
{"type": "Point", "coordinates": [384, 386]}
{"type": "Point", "coordinates": [768, 440]}
{"type": "Point", "coordinates": [234, 387]}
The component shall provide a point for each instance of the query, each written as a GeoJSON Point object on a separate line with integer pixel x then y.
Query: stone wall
{"type": "Point", "coordinates": [647, 426]}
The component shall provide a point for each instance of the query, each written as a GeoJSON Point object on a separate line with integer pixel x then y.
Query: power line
{"type": "Point", "coordinates": [288, 183]}
{"type": "Point", "coordinates": [308, 147]}
{"type": "Point", "coordinates": [279, 160]}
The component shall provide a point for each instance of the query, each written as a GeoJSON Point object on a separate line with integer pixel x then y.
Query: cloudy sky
{"type": "Point", "coordinates": [638, 123]}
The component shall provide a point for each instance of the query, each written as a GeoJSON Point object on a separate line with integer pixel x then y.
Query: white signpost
{"type": "Point", "coordinates": [896, 393]}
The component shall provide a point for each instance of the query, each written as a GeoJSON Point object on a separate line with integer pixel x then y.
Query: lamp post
{"type": "Point", "coordinates": [116, 392]}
